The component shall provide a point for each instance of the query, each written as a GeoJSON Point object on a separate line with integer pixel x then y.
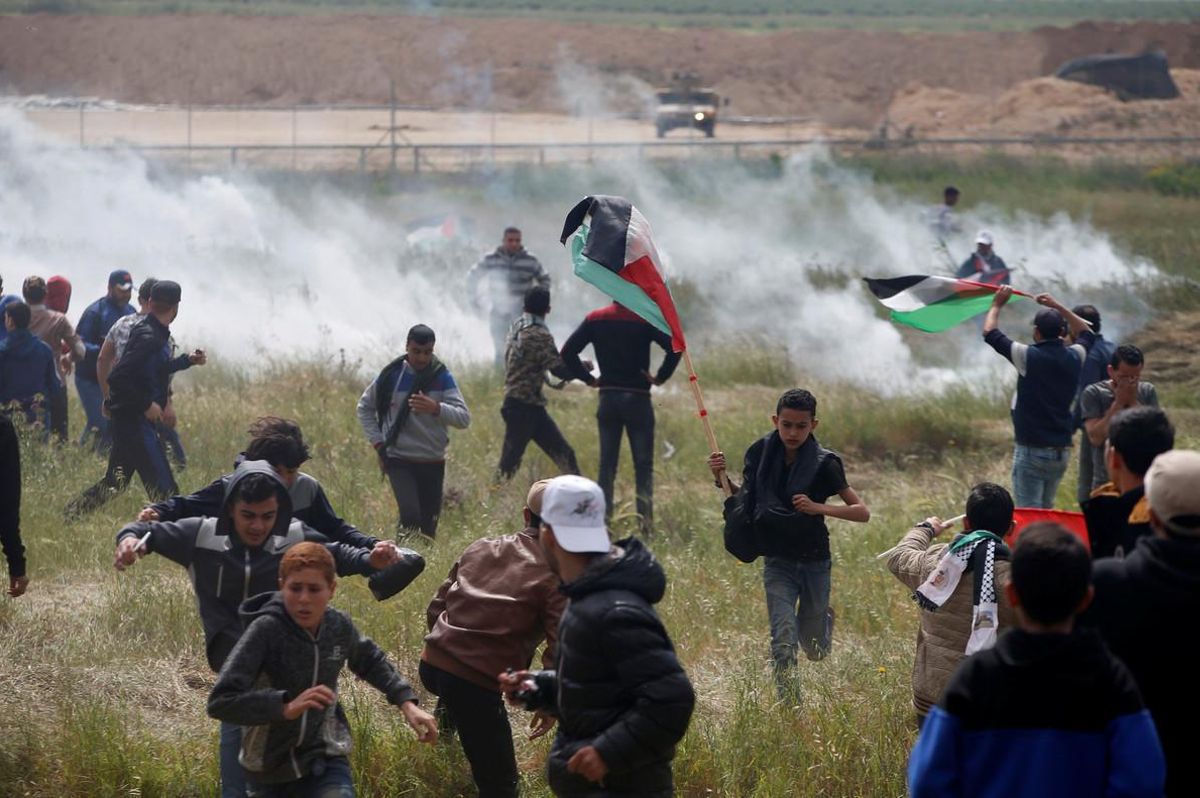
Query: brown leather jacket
{"type": "Point", "coordinates": [942, 635]}
{"type": "Point", "coordinates": [500, 601]}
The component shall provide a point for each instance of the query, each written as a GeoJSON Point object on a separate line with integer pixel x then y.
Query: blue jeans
{"type": "Point", "coordinates": [628, 412]}
{"type": "Point", "coordinates": [333, 781]}
{"type": "Point", "coordinates": [170, 438]}
{"type": "Point", "coordinates": [1036, 472]}
{"type": "Point", "coordinates": [91, 397]}
{"type": "Point", "coordinates": [233, 778]}
{"type": "Point", "coordinates": [798, 609]}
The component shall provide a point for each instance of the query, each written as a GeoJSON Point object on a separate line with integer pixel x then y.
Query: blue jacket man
{"type": "Point", "coordinates": [93, 326]}
{"type": "Point", "coordinates": [26, 363]}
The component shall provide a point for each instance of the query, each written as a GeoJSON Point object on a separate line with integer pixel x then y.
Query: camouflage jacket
{"type": "Point", "coordinates": [531, 352]}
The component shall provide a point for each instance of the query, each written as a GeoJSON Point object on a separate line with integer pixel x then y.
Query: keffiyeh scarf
{"type": "Point", "coordinates": [976, 552]}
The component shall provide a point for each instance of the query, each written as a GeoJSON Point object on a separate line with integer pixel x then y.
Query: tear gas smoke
{"type": "Point", "coordinates": [280, 272]}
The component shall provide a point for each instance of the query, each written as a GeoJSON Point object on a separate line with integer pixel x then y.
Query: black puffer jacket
{"type": "Point", "coordinates": [620, 687]}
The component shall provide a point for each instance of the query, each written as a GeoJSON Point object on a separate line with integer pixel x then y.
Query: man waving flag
{"type": "Point", "coordinates": [612, 247]}
{"type": "Point", "coordinates": [933, 304]}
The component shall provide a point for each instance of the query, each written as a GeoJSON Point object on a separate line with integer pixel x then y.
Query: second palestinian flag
{"type": "Point", "coordinates": [613, 249]}
{"type": "Point", "coordinates": [930, 303]}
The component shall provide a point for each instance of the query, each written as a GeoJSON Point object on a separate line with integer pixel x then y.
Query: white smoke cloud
{"type": "Point", "coordinates": [276, 270]}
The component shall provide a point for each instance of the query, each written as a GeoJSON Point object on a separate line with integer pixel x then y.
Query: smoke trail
{"type": "Point", "coordinates": [272, 270]}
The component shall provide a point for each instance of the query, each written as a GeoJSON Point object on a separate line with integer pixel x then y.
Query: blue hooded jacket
{"type": "Point", "coordinates": [26, 368]}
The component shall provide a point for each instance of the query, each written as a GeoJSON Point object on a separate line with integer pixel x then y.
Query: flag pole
{"type": "Point", "coordinates": [694, 381]}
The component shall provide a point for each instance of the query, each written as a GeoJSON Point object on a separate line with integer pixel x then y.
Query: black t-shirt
{"type": "Point", "coordinates": [803, 537]}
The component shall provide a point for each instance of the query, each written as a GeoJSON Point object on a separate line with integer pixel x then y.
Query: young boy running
{"type": "Point", "coordinates": [781, 506]}
{"type": "Point", "coordinates": [1048, 710]}
{"type": "Point", "coordinates": [280, 684]}
{"type": "Point", "coordinates": [235, 556]}
{"type": "Point", "coordinates": [405, 413]}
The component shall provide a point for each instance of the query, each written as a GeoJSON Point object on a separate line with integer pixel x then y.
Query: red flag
{"type": "Point", "coordinates": [1074, 522]}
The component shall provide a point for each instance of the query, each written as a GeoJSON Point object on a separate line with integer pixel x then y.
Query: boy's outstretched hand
{"type": "Point", "coordinates": [318, 697]}
{"type": "Point", "coordinates": [384, 554]}
{"type": "Point", "coordinates": [424, 724]}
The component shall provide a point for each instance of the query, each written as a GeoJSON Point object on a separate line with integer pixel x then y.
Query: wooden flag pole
{"type": "Point", "coordinates": [694, 381]}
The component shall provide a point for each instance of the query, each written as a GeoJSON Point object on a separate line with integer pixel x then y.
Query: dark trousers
{"type": "Point", "coordinates": [56, 412]}
{"type": "Point", "coordinates": [632, 413]}
{"type": "Point", "coordinates": [418, 491]}
{"type": "Point", "coordinates": [136, 448]}
{"type": "Point", "coordinates": [481, 721]}
{"type": "Point", "coordinates": [524, 423]}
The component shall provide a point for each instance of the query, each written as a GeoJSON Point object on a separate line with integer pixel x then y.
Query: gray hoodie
{"type": "Point", "coordinates": [224, 571]}
{"type": "Point", "coordinates": [274, 662]}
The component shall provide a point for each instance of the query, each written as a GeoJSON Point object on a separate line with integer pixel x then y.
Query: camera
{"type": "Point", "coordinates": [535, 691]}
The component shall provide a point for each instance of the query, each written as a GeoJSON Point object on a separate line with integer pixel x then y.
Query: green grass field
{"type": "Point", "coordinates": [102, 675]}
{"type": "Point", "coordinates": [748, 14]}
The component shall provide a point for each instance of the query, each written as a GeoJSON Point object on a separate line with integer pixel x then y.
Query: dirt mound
{"type": "Point", "coordinates": [1047, 106]}
{"type": "Point", "coordinates": [840, 77]}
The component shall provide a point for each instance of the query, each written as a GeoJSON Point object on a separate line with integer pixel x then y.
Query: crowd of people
{"type": "Point", "coordinates": [1040, 668]}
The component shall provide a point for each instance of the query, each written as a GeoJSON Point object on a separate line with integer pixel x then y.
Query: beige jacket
{"type": "Point", "coordinates": [942, 635]}
{"type": "Point", "coordinates": [54, 328]}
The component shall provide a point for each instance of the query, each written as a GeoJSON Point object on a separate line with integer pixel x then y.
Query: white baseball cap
{"type": "Point", "coordinates": [574, 508]}
{"type": "Point", "coordinates": [1171, 491]}
{"type": "Point", "coordinates": [984, 237]}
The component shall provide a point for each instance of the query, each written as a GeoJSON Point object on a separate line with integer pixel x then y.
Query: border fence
{"type": "Point", "coordinates": [396, 139]}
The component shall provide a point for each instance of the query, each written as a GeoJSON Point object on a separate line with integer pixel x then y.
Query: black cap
{"type": "Point", "coordinates": [1050, 323]}
{"type": "Point", "coordinates": [166, 292]}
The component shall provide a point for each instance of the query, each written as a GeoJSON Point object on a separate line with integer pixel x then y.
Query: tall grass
{"type": "Point", "coordinates": [102, 675]}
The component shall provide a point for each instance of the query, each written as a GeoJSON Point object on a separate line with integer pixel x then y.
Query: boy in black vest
{"type": "Point", "coordinates": [781, 509]}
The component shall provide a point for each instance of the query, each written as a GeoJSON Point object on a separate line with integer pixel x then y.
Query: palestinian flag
{"type": "Point", "coordinates": [933, 304]}
{"type": "Point", "coordinates": [612, 248]}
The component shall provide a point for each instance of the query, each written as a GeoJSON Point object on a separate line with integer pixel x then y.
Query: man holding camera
{"type": "Point", "coordinates": [499, 602]}
{"type": "Point", "coordinates": [621, 697]}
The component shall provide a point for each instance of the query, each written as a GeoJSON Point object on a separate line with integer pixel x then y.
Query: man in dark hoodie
{"type": "Point", "coordinates": [280, 443]}
{"type": "Point", "coordinates": [622, 699]}
{"type": "Point", "coordinates": [233, 557]}
{"type": "Point", "coordinates": [1144, 607]}
{"type": "Point", "coordinates": [280, 683]}
{"type": "Point", "coordinates": [139, 389]}
{"type": "Point", "coordinates": [26, 364]}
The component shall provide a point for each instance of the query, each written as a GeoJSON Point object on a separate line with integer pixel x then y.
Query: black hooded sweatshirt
{"type": "Point", "coordinates": [619, 686]}
{"type": "Point", "coordinates": [274, 662]}
{"type": "Point", "coordinates": [224, 571]}
{"type": "Point", "coordinates": [1144, 609]}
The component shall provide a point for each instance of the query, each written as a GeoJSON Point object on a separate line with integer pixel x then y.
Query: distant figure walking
{"type": "Point", "coordinates": [500, 280]}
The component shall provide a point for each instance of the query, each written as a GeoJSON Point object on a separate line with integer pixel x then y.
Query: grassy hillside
{"type": "Point", "coordinates": [102, 675]}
